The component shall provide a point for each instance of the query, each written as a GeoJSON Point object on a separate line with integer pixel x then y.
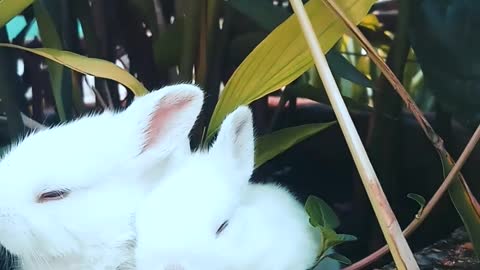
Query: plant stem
{"type": "Point", "coordinates": [384, 139]}
{"type": "Point", "coordinates": [428, 207]}
{"type": "Point", "coordinates": [402, 254]}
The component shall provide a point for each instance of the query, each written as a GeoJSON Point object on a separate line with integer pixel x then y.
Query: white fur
{"type": "Point", "coordinates": [268, 228]}
{"type": "Point", "coordinates": [105, 162]}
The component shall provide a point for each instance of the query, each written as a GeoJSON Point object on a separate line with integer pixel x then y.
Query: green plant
{"type": "Point", "coordinates": [323, 218]}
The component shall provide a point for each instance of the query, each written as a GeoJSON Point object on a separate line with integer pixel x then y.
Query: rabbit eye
{"type": "Point", "coordinates": [53, 195]}
{"type": "Point", "coordinates": [222, 227]}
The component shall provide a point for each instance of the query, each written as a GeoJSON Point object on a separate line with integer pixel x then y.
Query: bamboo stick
{"type": "Point", "coordinates": [397, 243]}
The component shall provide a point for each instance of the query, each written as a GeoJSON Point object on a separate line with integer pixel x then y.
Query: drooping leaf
{"type": "Point", "coordinates": [86, 65]}
{"type": "Point", "coordinates": [11, 8]}
{"type": "Point", "coordinates": [339, 257]}
{"type": "Point", "coordinates": [282, 57]}
{"type": "Point", "coordinates": [59, 77]}
{"type": "Point", "coordinates": [270, 145]}
{"type": "Point", "coordinates": [321, 214]}
{"type": "Point", "coordinates": [466, 209]}
{"type": "Point", "coordinates": [419, 199]}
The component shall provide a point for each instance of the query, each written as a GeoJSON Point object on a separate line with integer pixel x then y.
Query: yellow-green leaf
{"type": "Point", "coordinates": [283, 56]}
{"type": "Point", "coordinates": [269, 146]}
{"type": "Point", "coordinates": [86, 65]}
{"type": "Point", "coordinates": [11, 8]}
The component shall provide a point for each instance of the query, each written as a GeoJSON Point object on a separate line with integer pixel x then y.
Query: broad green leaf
{"type": "Point", "coordinates": [419, 199]}
{"type": "Point", "coordinates": [268, 17]}
{"type": "Point", "coordinates": [268, 146]}
{"type": "Point", "coordinates": [339, 257]}
{"type": "Point", "coordinates": [11, 8]}
{"type": "Point", "coordinates": [86, 65]}
{"type": "Point", "coordinates": [283, 56]}
{"type": "Point", "coordinates": [468, 210]}
{"type": "Point", "coordinates": [321, 214]}
{"type": "Point", "coordinates": [59, 77]}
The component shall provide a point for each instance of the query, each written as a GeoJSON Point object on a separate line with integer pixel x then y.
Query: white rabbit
{"type": "Point", "coordinates": [207, 216]}
{"type": "Point", "coordinates": [69, 193]}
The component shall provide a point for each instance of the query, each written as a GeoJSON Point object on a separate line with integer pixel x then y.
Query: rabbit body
{"type": "Point", "coordinates": [206, 215]}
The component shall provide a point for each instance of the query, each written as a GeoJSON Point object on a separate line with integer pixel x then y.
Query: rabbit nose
{"type": "Point", "coordinates": [174, 267]}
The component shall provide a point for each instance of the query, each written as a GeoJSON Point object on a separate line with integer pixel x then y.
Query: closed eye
{"type": "Point", "coordinates": [53, 195]}
{"type": "Point", "coordinates": [222, 227]}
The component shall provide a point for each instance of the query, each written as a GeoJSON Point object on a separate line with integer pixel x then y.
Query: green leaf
{"type": "Point", "coordinates": [339, 257]}
{"type": "Point", "coordinates": [11, 8]}
{"type": "Point", "coordinates": [264, 14]}
{"type": "Point", "coordinates": [330, 239]}
{"type": "Point", "coordinates": [338, 239]}
{"type": "Point", "coordinates": [91, 66]}
{"type": "Point", "coordinates": [420, 200]}
{"type": "Point", "coordinates": [461, 197]}
{"type": "Point", "coordinates": [269, 146]}
{"type": "Point", "coordinates": [342, 68]}
{"type": "Point", "coordinates": [167, 46]}
{"type": "Point", "coordinates": [282, 57]}
{"type": "Point", "coordinates": [59, 77]}
{"type": "Point", "coordinates": [320, 213]}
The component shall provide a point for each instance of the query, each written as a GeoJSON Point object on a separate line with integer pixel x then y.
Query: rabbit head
{"type": "Point", "coordinates": [68, 194]}
{"type": "Point", "coordinates": [181, 223]}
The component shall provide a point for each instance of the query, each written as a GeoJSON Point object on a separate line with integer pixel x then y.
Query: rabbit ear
{"type": "Point", "coordinates": [162, 119]}
{"type": "Point", "coordinates": [235, 141]}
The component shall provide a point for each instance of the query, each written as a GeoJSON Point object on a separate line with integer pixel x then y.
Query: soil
{"type": "Point", "coordinates": [453, 253]}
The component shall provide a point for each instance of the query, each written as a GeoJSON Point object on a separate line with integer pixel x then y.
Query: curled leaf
{"type": "Point", "coordinates": [86, 65]}
{"type": "Point", "coordinates": [420, 200]}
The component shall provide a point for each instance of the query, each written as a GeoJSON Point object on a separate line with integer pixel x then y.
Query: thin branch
{"type": "Point", "coordinates": [97, 94]}
{"type": "Point", "coordinates": [402, 254]}
{"type": "Point", "coordinates": [429, 207]}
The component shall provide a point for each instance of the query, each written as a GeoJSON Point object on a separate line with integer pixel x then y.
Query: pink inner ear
{"type": "Point", "coordinates": [160, 118]}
